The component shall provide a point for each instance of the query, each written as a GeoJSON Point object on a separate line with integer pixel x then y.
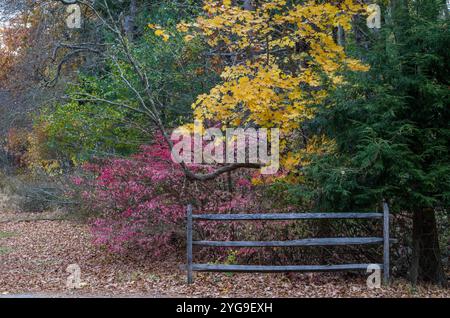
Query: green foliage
{"type": "Point", "coordinates": [100, 118]}
{"type": "Point", "coordinates": [4, 235]}
{"type": "Point", "coordinates": [177, 72]}
{"type": "Point", "coordinates": [78, 130]}
{"type": "Point", "coordinates": [4, 250]}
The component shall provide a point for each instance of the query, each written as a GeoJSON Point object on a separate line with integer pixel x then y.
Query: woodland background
{"type": "Point", "coordinates": [85, 116]}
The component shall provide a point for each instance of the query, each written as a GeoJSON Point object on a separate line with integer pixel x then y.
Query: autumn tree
{"type": "Point", "coordinates": [276, 59]}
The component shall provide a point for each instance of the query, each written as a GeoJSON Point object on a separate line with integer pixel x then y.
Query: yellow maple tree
{"type": "Point", "coordinates": [279, 57]}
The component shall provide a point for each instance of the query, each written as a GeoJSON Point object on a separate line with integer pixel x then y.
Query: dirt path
{"type": "Point", "coordinates": [34, 256]}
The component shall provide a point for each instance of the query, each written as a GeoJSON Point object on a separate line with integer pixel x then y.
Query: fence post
{"type": "Point", "coordinates": [189, 244]}
{"type": "Point", "coordinates": [386, 242]}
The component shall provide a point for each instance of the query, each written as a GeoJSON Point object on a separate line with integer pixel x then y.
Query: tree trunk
{"type": "Point", "coordinates": [130, 20]}
{"type": "Point", "coordinates": [247, 5]}
{"type": "Point", "coordinates": [426, 262]}
{"type": "Point", "coordinates": [340, 36]}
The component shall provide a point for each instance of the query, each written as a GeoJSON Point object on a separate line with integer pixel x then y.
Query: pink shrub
{"type": "Point", "coordinates": [141, 202]}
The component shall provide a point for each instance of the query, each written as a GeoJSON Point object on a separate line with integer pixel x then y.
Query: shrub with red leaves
{"type": "Point", "coordinates": [142, 201]}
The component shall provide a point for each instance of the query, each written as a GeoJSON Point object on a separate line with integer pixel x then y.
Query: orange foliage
{"type": "Point", "coordinates": [13, 42]}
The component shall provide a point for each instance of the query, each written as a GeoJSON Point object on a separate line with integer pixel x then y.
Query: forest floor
{"type": "Point", "coordinates": [35, 250]}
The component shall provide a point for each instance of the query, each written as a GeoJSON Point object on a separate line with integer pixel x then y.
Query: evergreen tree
{"type": "Point", "coordinates": [391, 128]}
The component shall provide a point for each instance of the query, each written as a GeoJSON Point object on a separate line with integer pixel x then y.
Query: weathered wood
{"type": "Point", "coordinates": [302, 242]}
{"type": "Point", "coordinates": [386, 242]}
{"type": "Point", "coordinates": [189, 244]}
{"type": "Point", "coordinates": [270, 268]}
{"type": "Point", "coordinates": [287, 216]}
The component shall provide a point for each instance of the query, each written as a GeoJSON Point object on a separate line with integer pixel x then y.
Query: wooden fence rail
{"type": "Point", "coordinates": [336, 241]}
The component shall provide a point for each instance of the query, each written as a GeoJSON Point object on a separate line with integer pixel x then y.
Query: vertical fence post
{"type": "Point", "coordinates": [189, 244]}
{"type": "Point", "coordinates": [386, 242]}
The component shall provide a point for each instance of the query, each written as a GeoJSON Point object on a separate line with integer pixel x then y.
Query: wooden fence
{"type": "Point", "coordinates": [301, 242]}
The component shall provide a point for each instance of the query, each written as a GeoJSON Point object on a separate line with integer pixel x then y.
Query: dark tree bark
{"type": "Point", "coordinates": [426, 262]}
{"type": "Point", "coordinates": [248, 5]}
{"type": "Point", "coordinates": [130, 20]}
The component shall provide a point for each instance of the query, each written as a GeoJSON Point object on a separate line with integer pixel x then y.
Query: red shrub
{"type": "Point", "coordinates": [142, 201]}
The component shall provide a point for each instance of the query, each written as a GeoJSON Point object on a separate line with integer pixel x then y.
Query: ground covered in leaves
{"type": "Point", "coordinates": [35, 251]}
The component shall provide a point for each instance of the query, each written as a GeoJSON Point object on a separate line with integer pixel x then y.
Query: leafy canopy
{"type": "Point", "coordinates": [276, 59]}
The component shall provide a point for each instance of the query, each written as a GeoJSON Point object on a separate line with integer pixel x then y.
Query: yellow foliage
{"type": "Point", "coordinates": [281, 56]}
{"type": "Point", "coordinates": [29, 148]}
{"type": "Point", "coordinates": [162, 34]}
{"type": "Point", "coordinates": [159, 31]}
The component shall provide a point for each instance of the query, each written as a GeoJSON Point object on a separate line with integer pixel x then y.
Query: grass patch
{"type": "Point", "coordinates": [4, 235]}
{"type": "Point", "coordinates": [4, 250]}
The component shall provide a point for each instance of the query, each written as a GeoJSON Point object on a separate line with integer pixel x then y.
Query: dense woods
{"type": "Point", "coordinates": [91, 91]}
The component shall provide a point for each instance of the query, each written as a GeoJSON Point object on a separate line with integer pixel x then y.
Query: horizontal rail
{"type": "Point", "coordinates": [302, 242]}
{"type": "Point", "coordinates": [385, 216]}
{"type": "Point", "coordinates": [271, 269]}
{"type": "Point", "coordinates": [287, 216]}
